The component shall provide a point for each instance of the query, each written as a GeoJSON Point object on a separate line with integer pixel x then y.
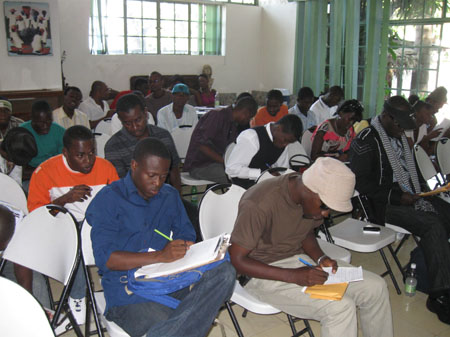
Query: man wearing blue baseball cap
{"type": "Point", "coordinates": [178, 113]}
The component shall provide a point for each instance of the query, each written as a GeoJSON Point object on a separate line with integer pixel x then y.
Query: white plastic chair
{"type": "Point", "coordinates": [443, 156]}
{"type": "Point", "coordinates": [298, 157]}
{"type": "Point", "coordinates": [181, 137]}
{"type": "Point", "coordinates": [13, 193]}
{"type": "Point", "coordinates": [97, 298]}
{"type": "Point", "coordinates": [48, 244]}
{"type": "Point", "coordinates": [228, 151]}
{"type": "Point", "coordinates": [426, 167]}
{"type": "Point", "coordinates": [104, 127]}
{"type": "Point", "coordinates": [217, 214]}
{"type": "Point", "coordinates": [18, 304]}
{"type": "Point", "coordinates": [100, 140]}
{"type": "Point", "coordinates": [116, 124]}
{"type": "Point", "coordinates": [307, 142]}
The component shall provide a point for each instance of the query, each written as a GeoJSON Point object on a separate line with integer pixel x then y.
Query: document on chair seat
{"type": "Point", "coordinates": [197, 255]}
{"type": "Point", "coordinates": [344, 274]}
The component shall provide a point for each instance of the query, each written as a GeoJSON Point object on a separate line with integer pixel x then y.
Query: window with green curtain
{"type": "Point", "coordinates": [118, 27]}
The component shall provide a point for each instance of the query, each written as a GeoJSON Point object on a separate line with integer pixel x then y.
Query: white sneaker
{"type": "Point", "coordinates": [78, 308]}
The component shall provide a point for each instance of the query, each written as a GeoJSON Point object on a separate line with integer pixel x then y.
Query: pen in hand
{"type": "Point", "coordinates": [308, 264]}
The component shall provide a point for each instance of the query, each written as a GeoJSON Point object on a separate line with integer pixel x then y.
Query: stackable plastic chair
{"type": "Point", "coordinates": [100, 140]}
{"type": "Point", "coordinates": [426, 167]}
{"type": "Point", "coordinates": [217, 214]}
{"type": "Point", "coordinates": [298, 157]}
{"type": "Point", "coordinates": [307, 142]}
{"type": "Point", "coordinates": [18, 304]}
{"type": "Point", "coordinates": [13, 193]}
{"type": "Point", "coordinates": [104, 126]}
{"type": "Point", "coordinates": [49, 244]}
{"type": "Point", "coordinates": [182, 137]}
{"type": "Point", "coordinates": [96, 299]}
{"type": "Point", "coordinates": [443, 157]}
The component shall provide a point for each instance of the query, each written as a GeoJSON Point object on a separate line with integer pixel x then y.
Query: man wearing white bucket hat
{"type": "Point", "coordinates": [275, 227]}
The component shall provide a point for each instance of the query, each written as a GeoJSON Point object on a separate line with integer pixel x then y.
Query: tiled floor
{"type": "Point", "coordinates": [411, 318]}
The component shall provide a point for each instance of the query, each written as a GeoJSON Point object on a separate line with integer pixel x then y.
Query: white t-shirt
{"type": "Point", "coordinates": [93, 110]}
{"type": "Point", "coordinates": [167, 119]}
{"type": "Point", "coordinates": [321, 112]}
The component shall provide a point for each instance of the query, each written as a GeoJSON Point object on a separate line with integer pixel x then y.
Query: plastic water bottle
{"type": "Point", "coordinates": [411, 281]}
{"type": "Point", "coordinates": [216, 100]}
{"type": "Point", "coordinates": [194, 198]}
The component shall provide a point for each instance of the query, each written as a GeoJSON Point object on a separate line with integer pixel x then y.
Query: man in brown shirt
{"type": "Point", "coordinates": [159, 97]}
{"type": "Point", "coordinates": [275, 226]}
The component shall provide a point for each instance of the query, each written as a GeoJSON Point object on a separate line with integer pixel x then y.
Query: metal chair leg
{"type": "Point", "coordinates": [234, 319]}
{"type": "Point", "coordinates": [397, 262]}
{"type": "Point", "coordinates": [307, 328]}
{"type": "Point", "coordinates": [389, 271]}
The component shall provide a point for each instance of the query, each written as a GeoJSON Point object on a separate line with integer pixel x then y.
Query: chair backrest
{"type": "Point", "coordinates": [228, 151]}
{"type": "Point", "coordinates": [100, 140]}
{"type": "Point", "coordinates": [443, 155]}
{"type": "Point", "coordinates": [267, 174]}
{"type": "Point", "coordinates": [13, 193]}
{"type": "Point", "coordinates": [424, 163]}
{"type": "Point", "coordinates": [181, 137]}
{"type": "Point", "coordinates": [218, 212]}
{"type": "Point", "coordinates": [46, 243]}
{"type": "Point", "coordinates": [86, 245]}
{"type": "Point", "coordinates": [104, 127]}
{"type": "Point", "coordinates": [307, 142]}
{"type": "Point", "coordinates": [21, 314]}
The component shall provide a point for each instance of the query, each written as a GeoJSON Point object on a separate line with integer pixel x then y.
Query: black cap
{"type": "Point", "coordinates": [404, 118]}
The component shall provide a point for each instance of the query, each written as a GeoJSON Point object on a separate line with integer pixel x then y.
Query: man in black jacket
{"type": "Point", "coordinates": [385, 172]}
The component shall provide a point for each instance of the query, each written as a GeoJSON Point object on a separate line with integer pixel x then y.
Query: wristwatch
{"type": "Point", "coordinates": [321, 258]}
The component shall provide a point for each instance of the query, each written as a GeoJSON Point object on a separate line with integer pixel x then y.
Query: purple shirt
{"type": "Point", "coordinates": [215, 129]}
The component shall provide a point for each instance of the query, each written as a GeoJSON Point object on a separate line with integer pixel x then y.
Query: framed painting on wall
{"type": "Point", "coordinates": [27, 28]}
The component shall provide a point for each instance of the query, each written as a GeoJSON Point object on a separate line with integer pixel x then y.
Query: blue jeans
{"type": "Point", "coordinates": [78, 290]}
{"type": "Point", "coordinates": [193, 316]}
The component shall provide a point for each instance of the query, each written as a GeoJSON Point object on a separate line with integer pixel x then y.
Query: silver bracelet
{"type": "Point", "coordinates": [320, 259]}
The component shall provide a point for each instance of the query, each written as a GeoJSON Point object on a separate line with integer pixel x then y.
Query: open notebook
{"type": "Point", "coordinates": [198, 255]}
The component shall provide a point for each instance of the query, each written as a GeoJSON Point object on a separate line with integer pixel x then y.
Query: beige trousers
{"type": "Point", "coordinates": [337, 318]}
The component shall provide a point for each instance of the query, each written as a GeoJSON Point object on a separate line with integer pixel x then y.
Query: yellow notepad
{"type": "Point", "coordinates": [333, 292]}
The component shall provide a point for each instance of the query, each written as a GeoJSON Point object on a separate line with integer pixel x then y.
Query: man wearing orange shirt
{"type": "Point", "coordinates": [72, 179]}
{"type": "Point", "coordinates": [273, 111]}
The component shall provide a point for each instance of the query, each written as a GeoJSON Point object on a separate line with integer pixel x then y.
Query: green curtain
{"type": "Point", "coordinates": [213, 38]}
{"type": "Point", "coordinates": [376, 55]}
{"type": "Point", "coordinates": [314, 44]}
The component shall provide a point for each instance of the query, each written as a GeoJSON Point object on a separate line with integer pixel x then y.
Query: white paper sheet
{"type": "Point", "coordinates": [344, 274]}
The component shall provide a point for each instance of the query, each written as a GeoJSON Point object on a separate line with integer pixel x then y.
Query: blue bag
{"type": "Point", "coordinates": [157, 289]}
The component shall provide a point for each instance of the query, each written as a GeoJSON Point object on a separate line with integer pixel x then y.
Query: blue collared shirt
{"type": "Point", "coordinates": [122, 220]}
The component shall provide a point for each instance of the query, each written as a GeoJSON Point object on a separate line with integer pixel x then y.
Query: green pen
{"type": "Point", "coordinates": [163, 235]}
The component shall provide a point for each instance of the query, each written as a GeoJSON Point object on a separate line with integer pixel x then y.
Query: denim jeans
{"type": "Point", "coordinates": [433, 230]}
{"type": "Point", "coordinates": [193, 316]}
{"type": "Point", "coordinates": [78, 290]}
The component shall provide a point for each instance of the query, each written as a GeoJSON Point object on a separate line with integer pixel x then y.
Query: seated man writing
{"type": "Point", "coordinates": [275, 226]}
{"type": "Point", "coordinates": [124, 216]}
{"type": "Point", "coordinates": [386, 173]}
{"type": "Point", "coordinates": [260, 148]}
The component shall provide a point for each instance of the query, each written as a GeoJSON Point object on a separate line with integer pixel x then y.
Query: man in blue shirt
{"type": "Point", "coordinates": [123, 217]}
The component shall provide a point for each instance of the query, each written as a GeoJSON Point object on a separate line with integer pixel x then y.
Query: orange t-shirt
{"type": "Point", "coordinates": [263, 117]}
{"type": "Point", "coordinates": [54, 178]}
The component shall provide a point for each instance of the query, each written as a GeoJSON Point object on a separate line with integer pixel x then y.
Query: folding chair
{"type": "Point", "coordinates": [96, 299]}
{"type": "Point", "coordinates": [100, 140]}
{"type": "Point", "coordinates": [426, 168]}
{"type": "Point", "coordinates": [298, 158]}
{"type": "Point", "coordinates": [104, 126]}
{"type": "Point", "coordinates": [349, 234]}
{"type": "Point", "coordinates": [182, 137]}
{"type": "Point", "coordinates": [17, 304]}
{"type": "Point", "coordinates": [217, 214]}
{"type": "Point", "coordinates": [307, 142]}
{"type": "Point", "coordinates": [443, 157]}
{"type": "Point", "coordinates": [13, 193]}
{"type": "Point", "coordinates": [49, 244]}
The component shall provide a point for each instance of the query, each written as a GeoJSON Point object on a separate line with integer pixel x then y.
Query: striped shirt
{"type": "Point", "coordinates": [120, 147]}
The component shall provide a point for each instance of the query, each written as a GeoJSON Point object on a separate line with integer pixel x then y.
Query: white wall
{"type": "Point", "coordinates": [239, 70]}
{"type": "Point", "coordinates": [30, 72]}
{"type": "Point", "coordinates": [278, 43]}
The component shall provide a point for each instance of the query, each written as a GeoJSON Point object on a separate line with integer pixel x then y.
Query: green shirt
{"type": "Point", "coordinates": [48, 145]}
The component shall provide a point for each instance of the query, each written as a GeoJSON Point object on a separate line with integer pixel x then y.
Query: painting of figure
{"type": "Point", "coordinates": [27, 28]}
